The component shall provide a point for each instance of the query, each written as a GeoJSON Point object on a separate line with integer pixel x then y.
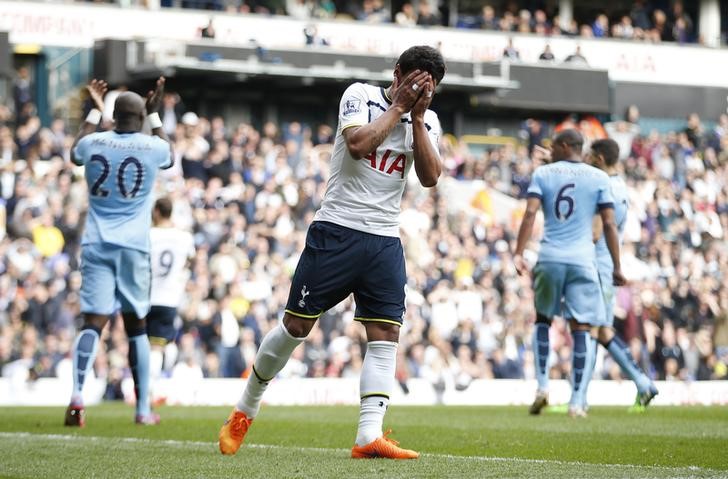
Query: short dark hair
{"type": "Point", "coordinates": [607, 149]}
{"type": "Point", "coordinates": [424, 58]}
{"type": "Point", "coordinates": [163, 207]}
{"type": "Point", "coordinates": [570, 137]}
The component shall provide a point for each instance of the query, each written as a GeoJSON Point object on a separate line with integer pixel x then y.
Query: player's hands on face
{"type": "Point", "coordinates": [154, 98]}
{"type": "Point", "coordinates": [407, 91]}
{"type": "Point", "coordinates": [520, 264]}
{"type": "Point", "coordinates": [423, 103]}
{"type": "Point", "coordinates": [618, 278]}
{"type": "Point", "coordinates": [97, 89]}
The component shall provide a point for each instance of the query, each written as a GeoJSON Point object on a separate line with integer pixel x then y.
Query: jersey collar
{"type": "Point", "coordinates": [384, 95]}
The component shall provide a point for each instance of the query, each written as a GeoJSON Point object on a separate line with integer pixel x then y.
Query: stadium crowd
{"type": "Point", "coordinates": [249, 194]}
{"type": "Point", "coordinates": [642, 21]}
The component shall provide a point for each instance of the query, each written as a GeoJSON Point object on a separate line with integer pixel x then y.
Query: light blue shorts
{"type": "Point", "coordinates": [114, 277]}
{"type": "Point", "coordinates": [608, 293]}
{"type": "Point", "coordinates": [570, 291]}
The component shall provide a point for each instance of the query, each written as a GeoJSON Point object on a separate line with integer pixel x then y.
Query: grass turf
{"type": "Point", "coordinates": [308, 442]}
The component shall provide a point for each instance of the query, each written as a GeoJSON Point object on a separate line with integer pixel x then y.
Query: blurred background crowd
{"type": "Point", "coordinates": [248, 196]}
{"type": "Point", "coordinates": [652, 21]}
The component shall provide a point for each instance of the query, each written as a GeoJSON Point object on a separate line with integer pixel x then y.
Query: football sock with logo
{"type": "Point", "coordinates": [540, 344]}
{"type": "Point", "coordinates": [139, 364]}
{"type": "Point", "coordinates": [578, 366]}
{"type": "Point", "coordinates": [620, 352]}
{"type": "Point", "coordinates": [84, 354]}
{"type": "Point", "coordinates": [375, 387]}
{"type": "Point", "coordinates": [273, 354]}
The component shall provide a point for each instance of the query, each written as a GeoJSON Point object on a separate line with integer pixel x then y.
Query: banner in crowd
{"type": "Point", "coordinates": [79, 25]}
{"type": "Point", "coordinates": [333, 391]}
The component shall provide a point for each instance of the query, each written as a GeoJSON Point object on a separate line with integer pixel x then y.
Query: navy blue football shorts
{"type": "Point", "coordinates": [160, 324]}
{"type": "Point", "coordinates": [338, 261]}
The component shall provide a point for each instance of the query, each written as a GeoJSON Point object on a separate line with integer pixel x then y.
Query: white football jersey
{"type": "Point", "coordinates": [365, 193]}
{"type": "Point", "coordinates": [171, 249]}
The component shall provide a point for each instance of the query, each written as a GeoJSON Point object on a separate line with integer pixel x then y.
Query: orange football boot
{"type": "Point", "coordinates": [233, 432]}
{"type": "Point", "coordinates": [384, 447]}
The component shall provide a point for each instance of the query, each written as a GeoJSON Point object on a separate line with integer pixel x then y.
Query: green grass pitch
{"type": "Point", "coordinates": [314, 442]}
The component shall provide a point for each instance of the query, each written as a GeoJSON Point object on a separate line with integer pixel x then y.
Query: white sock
{"type": "Point", "coordinates": [156, 359]}
{"type": "Point", "coordinates": [375, 387]}
{"type": "Point", "coordinates": [275, 349]}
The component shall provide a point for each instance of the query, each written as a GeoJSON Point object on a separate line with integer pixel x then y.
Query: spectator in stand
{"type": "Point", "coordinates": [577, 58]}
{"type": "Point", "coordinates": [510, 52]}
{"type": "Point", "coordinates": [488, 20]}
{"type": "Point", "coordinates": [547, 55]}
{"type": "Point", "coordinates": [425, 15]}
{"type": "Point", "coordinates": [600, 27]}
{"type": "Point", "coordinates": [208, 31]}
{"type": "Point", "coordinates": [407, 16]}
{"type": "Point", "coordinates": [662, 29]}
{"type": "Point", "coordinates": [682, 31]}
{"type": "Point", "coordinates": [22, 95]}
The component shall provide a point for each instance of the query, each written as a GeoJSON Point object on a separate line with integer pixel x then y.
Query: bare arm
{"type": "Point", "coordinates": [97, 90]}
{"type": "Point", "coordinates": [427, 160]}
{"type": "Point", "coordinates": [597, 228]}
{"type": "Point", "coordinates": [363, 140]}
{"type": "Point", "coordinates": [154, 99]}
{"type": "Point", "coordinates": [525, 232]}
{"type": "Point", "coordinates": [611, 235]}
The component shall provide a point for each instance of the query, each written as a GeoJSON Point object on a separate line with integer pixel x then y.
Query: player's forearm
{"type": "Point", "coordinates": [427, 161]}
{"type": "Point", "coordinates": [612, 238]}
{"type": "Point", "coordinates": [524, 232]}
{"type": "Point", "coordinates": [86, 129]}
{"type": "Point", "coordinates": [163, 135]}
{"type": "Point", "coordinates": [367, 138]}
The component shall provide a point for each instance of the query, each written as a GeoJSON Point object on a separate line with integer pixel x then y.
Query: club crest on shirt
{"type": "Point", "coordinates": [304, 293]}
{"type": "Point", "coordinates": [351, 106]}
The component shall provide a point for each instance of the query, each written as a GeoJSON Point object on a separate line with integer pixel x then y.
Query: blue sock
{"type": "Point", "coordinates": [591, 360]}
{"type": "Point", "coordinates": [139, 363]}
{"type": "Point", "coordinates": [620, 352]}
{"type": "Point", "coordinates": [84, 354]}
{"type": "Point", "coordinates": [578, 367]}
{"type": "Point", "coordinates": [541, 351]}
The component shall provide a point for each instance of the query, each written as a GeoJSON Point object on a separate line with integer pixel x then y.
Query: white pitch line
{"type": "Point", "coordinates": [196, 444]}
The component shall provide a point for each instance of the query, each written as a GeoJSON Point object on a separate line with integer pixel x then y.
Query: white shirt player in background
{"type": "Point", "coordinates": [171, 252]}
{"type": "Point", "coordinates": [353, 244]}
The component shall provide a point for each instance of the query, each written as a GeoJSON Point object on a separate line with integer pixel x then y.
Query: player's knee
{"type": "Point", "coordinates": [382, 331]}
{"type": "Point", "coordinates": [577, 326]}
{"type": "Point", "coordinates": [95, 322]}
{"type": "Point", "coordinates": [134, 325]}
{"type": "Point", "coordinates": [297, 327]}
{"type": "Point", "coordinates": [540, 318]}
{"type": "Point", "coordinates": [605, 335]}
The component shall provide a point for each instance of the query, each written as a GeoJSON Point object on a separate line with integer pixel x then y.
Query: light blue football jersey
{"type": "Point", "coordinates": [571, 193]}
{"type": "Point", "coordinates": [621, 204]}
{"type": "Point", "coordinates": [120, 170]}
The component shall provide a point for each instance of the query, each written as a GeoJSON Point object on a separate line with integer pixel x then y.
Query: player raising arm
{"type": "Point", "coordinates": [353, 244]}
{"type": "Point", "coordinates": [120, 169]}
{"type": "Point", "coordinates": [605, 155]}
{"type": "Point", "coordinates": [569, 192]}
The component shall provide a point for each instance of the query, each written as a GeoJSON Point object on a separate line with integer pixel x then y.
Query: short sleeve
{"type": "Point", "coordinates": [80, 152]}
{"type": "Point", "coordinates": [535, 189]}
{"type": "Point", "coordinates": [164, 155]}
{"type": "Point", "coordinates": [353, 109]}
{"type": "Point", "coordinates": [434, 131]}
{"type": "Point", "coordinates": [605, 199]}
